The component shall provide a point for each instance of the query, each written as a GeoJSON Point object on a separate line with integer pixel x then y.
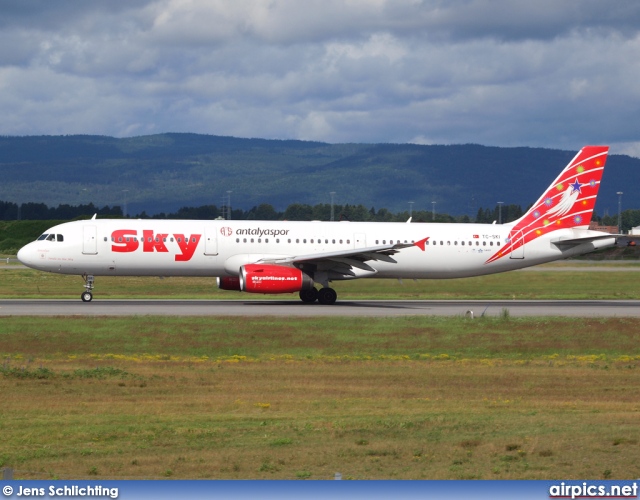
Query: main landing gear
{"type": "Point", "coordinates": [87, 296]}
{"type": "Point", "coordinates": [326, 296]}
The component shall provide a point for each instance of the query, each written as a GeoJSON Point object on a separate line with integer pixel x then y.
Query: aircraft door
{"type": "Point", "coordinates": [360, 240]}
{"type": "Point", "coordinates": [89, 240]}
{"type": "Point", "coordinates": [211, 240]}
{"type": "Point", "coordinates": [517, 239]}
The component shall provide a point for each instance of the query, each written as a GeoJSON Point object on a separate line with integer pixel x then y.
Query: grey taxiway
{"type": "Point", "coordinates": [293, 307]}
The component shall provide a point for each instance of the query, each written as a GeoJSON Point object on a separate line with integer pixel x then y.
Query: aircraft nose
{"type": "Point", "coordinates": [26, 255]}
{"type": "Point", "coordinates": [21, 255]}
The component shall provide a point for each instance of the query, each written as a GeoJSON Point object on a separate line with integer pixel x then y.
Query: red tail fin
{"type": "Point", "coordinates": [568, 202]}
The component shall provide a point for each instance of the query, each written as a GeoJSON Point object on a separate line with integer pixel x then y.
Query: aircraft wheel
{"type": "Point", "coordinates": [327, 296]}
{"type": "Point", "coordinates": [86, 296]}
{"type": "Point", "coordinates": [309, 296]}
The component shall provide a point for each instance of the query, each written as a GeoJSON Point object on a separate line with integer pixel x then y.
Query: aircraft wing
{"type": "Point", "coordinates": [342, 262]}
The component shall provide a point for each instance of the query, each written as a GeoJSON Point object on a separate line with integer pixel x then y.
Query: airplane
{"type": "Point", "coordinates": [277, 257]}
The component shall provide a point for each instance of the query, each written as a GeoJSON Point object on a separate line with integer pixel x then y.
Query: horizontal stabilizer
{"type": "Point", "coordinates": [573, 242]}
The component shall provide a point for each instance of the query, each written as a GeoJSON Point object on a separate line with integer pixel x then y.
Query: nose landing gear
{"type": "Point", "coordinates": [87, 296]}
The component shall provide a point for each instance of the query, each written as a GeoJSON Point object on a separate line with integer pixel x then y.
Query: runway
{"type": "Point", "coordinates": [360, 308]}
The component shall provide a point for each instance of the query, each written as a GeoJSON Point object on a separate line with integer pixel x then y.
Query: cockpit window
{"type": "Point", "coordinates": [51, 237]}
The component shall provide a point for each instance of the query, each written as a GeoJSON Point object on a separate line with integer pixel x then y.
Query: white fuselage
{"type": "Point", "coordinates": [144, 247]}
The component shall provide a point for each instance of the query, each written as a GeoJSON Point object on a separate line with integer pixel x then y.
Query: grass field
{"type": "Point", "coordinates": [618, 282]}
{"type": "Point", "coordinates": [228, 398]}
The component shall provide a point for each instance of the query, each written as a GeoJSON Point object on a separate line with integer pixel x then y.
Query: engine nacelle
{"type": "Point", "coordinates": [271, 278]}
{"type": "Point", "coordinates": [229, 283]}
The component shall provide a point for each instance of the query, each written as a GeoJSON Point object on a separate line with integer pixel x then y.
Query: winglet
{"type": "Point", "coordinates": [421, 244]}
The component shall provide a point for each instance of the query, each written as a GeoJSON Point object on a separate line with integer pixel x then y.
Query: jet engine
{"type": "Point", "coordinates": [271, 278]}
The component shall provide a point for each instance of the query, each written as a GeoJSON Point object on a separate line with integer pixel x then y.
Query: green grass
{"type": "Point", "coordinates": [408, 398]}
{"type": "Point", "coordinates": [304, 338]}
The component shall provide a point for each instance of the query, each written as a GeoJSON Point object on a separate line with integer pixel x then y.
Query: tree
{"type": "Point", "coordinates": [298, 211]}
{"type": "Point", "coordinates": [263, 211]}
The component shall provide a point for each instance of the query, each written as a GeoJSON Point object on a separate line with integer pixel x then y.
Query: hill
{"type": "Point", "coordinates": [167, 171]}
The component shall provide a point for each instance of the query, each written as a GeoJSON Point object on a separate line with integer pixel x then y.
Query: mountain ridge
{"type": "Point", "coordinates": [164, 172]}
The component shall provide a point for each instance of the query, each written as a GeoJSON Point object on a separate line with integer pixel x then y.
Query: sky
{"type": "Point", "coordinates": [544, 73]}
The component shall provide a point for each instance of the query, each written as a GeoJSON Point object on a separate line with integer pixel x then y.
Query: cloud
{"type": "Point", "coordinates": [547, 73]}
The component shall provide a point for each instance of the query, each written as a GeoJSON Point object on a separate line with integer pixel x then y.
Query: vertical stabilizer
{"type": "Point", "coordinates": [567, 203]}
